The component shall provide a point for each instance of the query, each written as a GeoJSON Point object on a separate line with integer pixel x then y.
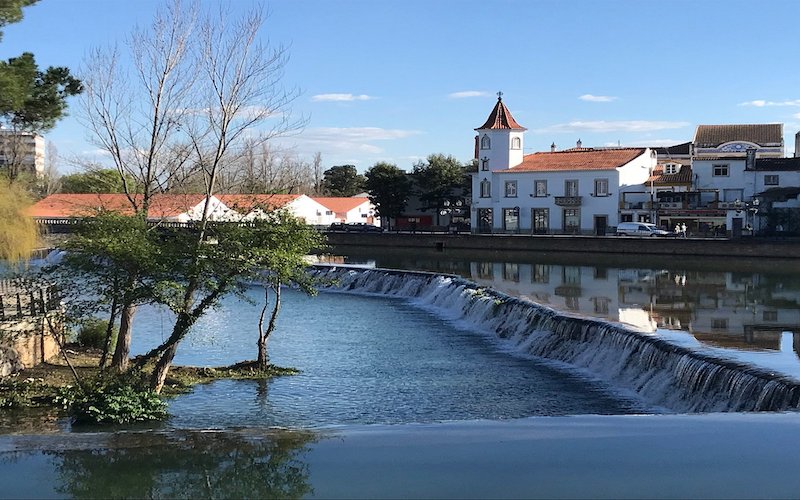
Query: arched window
{"type": "Point", "coordinates": [516, 143]}
{"type": "Point", "coordinates": [485, 163]}
{"type": "Point", "coordinates": [486, 143]}
{"type": "Point", "coordinates": [486, 189]}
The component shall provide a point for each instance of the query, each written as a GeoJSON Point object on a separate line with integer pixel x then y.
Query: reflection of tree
{"type": "Point", "coordinates": [188, 464]}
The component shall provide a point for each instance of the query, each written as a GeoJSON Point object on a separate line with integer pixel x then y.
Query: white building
{"type": "Point", "coordinates": [21, 153]}
{"type": "Point", "coordinates": [573, 191]}
{"type": "Point", "coordinates": [354, 209]}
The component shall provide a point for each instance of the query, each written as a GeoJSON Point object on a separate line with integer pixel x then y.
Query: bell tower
{"type": "Point", "coordinates": [499, 144]}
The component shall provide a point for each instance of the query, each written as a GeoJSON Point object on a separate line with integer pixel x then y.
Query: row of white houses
{"type": "Point", "coordinates": [319, 211]}
{"type": "Point", "coordinates": [719, 183]}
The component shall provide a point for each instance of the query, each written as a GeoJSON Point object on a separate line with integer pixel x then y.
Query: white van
{"type": "Point", "coordinates": [639, 229]}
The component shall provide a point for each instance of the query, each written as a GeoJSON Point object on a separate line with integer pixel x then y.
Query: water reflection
{"type": "Point", "coordinates": [732, 304]}
{"type": "Point", "coordinates": [185, 464]}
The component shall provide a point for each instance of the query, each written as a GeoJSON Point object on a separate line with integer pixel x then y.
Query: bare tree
{"type": "Point", "coordinates": [203, 92]}
{"type": "Point", "coordinates": [49, 183]}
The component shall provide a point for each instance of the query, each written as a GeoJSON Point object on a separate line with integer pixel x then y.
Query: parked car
{"type": "Point", "coordinates": [337, 226]}
{"type": "Point", "coordinates": [354, 227]}
{"type": "Point", "coordinates": [640, 229]}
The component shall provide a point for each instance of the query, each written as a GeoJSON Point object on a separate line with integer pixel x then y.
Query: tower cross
{"type": "Point", "coordinates": [500, 96]}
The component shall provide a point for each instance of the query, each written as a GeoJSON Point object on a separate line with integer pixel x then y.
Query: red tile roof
{"type": "Point", "coordinates": [710, 136]}
{"type": "Point", "coordinates": [583, 159]}
{"type": "Point", "coordinates": [500, 118]}
{"type": "Point", "coordinates": [161, 205]}
{"type": "Point", "coordinates": [244, 203]}
{"type": "Point", "coordinates": [684, 176]}
{"type": "Point", "coordinates": [340, 204]}
{"type": "Point", "coordinates": [84, 205]}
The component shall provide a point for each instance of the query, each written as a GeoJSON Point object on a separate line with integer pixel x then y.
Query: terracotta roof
{"type": "Point", "coordinates": [684, 176]}
{"type": "Point", "coordinates": [777, 164]}
{"type": "Point", "coordinates": [584, 159]}
{"type": "Point", "coordinates": [85, 205]}
{"type": "Point", "coordinates": [244, 203]}
{"type": "Point", "coordinates": [340, 204]}
{"type": "Point", "coordinates": [500, 118]}
{"type": "Point", "coordinates": [710, 136]}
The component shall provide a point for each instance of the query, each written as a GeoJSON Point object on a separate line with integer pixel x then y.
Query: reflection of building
{"type": "Point", "coordinates": [21, 151]}
{"type": "Point", "coordinates": [573, 191]}
{"type": "Point", "coordinates": [741, 310]}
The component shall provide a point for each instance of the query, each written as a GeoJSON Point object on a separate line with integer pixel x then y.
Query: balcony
{"type": "Point", "coordinates": [568, 201]}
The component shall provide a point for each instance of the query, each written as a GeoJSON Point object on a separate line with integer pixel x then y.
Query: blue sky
{"type": "Point", "coordinates": [398, 80]}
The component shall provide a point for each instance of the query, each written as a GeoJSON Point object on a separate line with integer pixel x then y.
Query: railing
{"type": "Point", "coordinates": [568, 201]}
{"type": "Point", "coordinates": [18, 300]}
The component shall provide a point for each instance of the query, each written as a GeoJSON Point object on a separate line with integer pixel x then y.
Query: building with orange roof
{"type": "Point", "coordinates": [353, 209]}
{"type": "Point", "coordinates": [573, 191]}
{"type": "Point", "coordinates": [170, 207]}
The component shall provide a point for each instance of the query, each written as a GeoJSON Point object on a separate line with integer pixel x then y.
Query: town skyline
{"type": "Point", "coordinates": [397, 81]}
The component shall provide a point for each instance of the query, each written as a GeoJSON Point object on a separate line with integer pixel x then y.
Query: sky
{"type": "Point", "coordinates": [396, 81]}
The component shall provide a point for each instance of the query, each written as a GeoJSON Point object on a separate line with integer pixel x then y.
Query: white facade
{"type": "Point", "coordinates": [23, 150]}
{"type": "Point", "coordinates": [351, 210]}
{"type": "Point", "coordinates": [575, 201]}
{"type": "Point", "coordinates": [501, 148]}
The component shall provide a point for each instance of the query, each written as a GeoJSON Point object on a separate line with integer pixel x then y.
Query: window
{"type": "Point", "coordinates": [511, 219]}
{"type": "Point", "coordinates": [486, 189]}
{"type": "Point", "coordinates": [770, 315]}
{"type": "Point", "coordinates": [485, 270]}
{"type": "Point", "coordinates": [572, 220]}
{"type": "Point", "coordinates": [601, 304]}
{"type": "Point", "coordinates": [572, 303]}
{"type": "Point", "coordinates": [601, 187]}
{"type": "Point", "coordinates": [329, 212]}
{"type": "Point", "coordinates": [540, 188]}
{"type": "Point", "coordinates": [516, 143]}
{"type": "Point", "coordinates": [485, 220]}
{"type": "Point", "coordinates": [721, 171]}
{"type": "Point", "coordinates": [486, 143]}
{"type": "Point", "coordinates": [770, 180]}
{"type": "Point", "coordinates": [719, 323]}
{"type": "Point", "coordinates": [671, 168]}
{"type": "Point", "coordinates": [485, 164]}
{"type": "Point", "coordinates": [571, 188]}
{"type": "Point", "coordinates": [541, 220]}
{"type": "Point", "coordinates": [511, 189]}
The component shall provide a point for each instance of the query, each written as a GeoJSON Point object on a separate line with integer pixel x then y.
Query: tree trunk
{"type": "Point", "coordinates": [263, 335]}
{"type": "Point", "coordinates": [119, 362]}
{"type": "Point", "coordinates": [162, 368]}
{"type": "Point", "coordinates": [109, 333]}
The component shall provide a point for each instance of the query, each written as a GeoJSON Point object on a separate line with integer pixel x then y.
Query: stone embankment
{"type": "Point", "coordinates": [620, 245]}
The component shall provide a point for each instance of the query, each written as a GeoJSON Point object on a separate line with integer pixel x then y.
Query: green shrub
{"type": "Point", "coordinates": [111, 400]}
{"type": "Point", "coordinates": [92, 333]}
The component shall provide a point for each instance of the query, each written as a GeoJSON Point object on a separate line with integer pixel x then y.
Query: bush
{"type": "Point", "coordinates": [92, 333]}
{"type": "Point", "coordinates": [112, 400]}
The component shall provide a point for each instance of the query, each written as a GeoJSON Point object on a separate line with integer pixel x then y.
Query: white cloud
{"type": "Point", "coordinates": [796, 115]}
{"type": "Point", "coordinates": [760, 103]}
{"type": "Point", "coordinates": [613, 126]}
{"type": "Point", "coordinates": [340, 97]}
{"type": "Point", "coordinates": [467, 93]}
{"type": "Point", "coordinates": [348, 140]}
{"type": "Point", "coordinates": [597, 98]}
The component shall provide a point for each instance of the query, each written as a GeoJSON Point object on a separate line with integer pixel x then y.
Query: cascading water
{"type": "Point", "coordinates": [662, 373]}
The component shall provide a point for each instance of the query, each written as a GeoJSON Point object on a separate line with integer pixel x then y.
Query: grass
{"type": "Point", "coordinates": [35, 387]}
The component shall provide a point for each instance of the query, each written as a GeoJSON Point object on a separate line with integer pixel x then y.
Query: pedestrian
{"type": "Point", "coordinates": [683, 230]}
{"type": "Point", "coordinates": [677, 229]}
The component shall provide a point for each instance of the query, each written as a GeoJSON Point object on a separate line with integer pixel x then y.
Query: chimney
{"type": "Point", "coordinates": [750, 162]}
{"type": "Point", "coordinates": [578, 144]}
{"type": "Point", "coordinates": [797, 145]}
{"type": "Point", "coordinates": [553, 146]}
{"type": "Point", "coordinates": [476, 147]}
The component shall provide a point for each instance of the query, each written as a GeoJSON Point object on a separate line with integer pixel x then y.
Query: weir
{"type": "Point", "coordinates": [662, 373]}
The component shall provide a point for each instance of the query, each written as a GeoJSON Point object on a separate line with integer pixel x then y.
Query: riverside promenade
{"type": "Point", "coordinates": [619, 245]}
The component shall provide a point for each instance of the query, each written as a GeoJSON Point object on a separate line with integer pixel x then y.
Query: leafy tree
{"type": "Point", "coordinates": [31, 100]}
{"type": "Point", "coordinates": [438, 179]}
{"type": "Point", "coordinates": [389, 189]}
{"type": "Point", "coordinates": [11, 12]}
{"type": "Point", "coordinates": [95, 181]}
{"type": "Point", "coordinates": [19, 234]}
{"type": "Point", "coordinates": [342, 180]}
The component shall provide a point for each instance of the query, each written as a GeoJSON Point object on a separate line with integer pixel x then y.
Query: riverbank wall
{"type": "Point", "coordinates": [620, 245]}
